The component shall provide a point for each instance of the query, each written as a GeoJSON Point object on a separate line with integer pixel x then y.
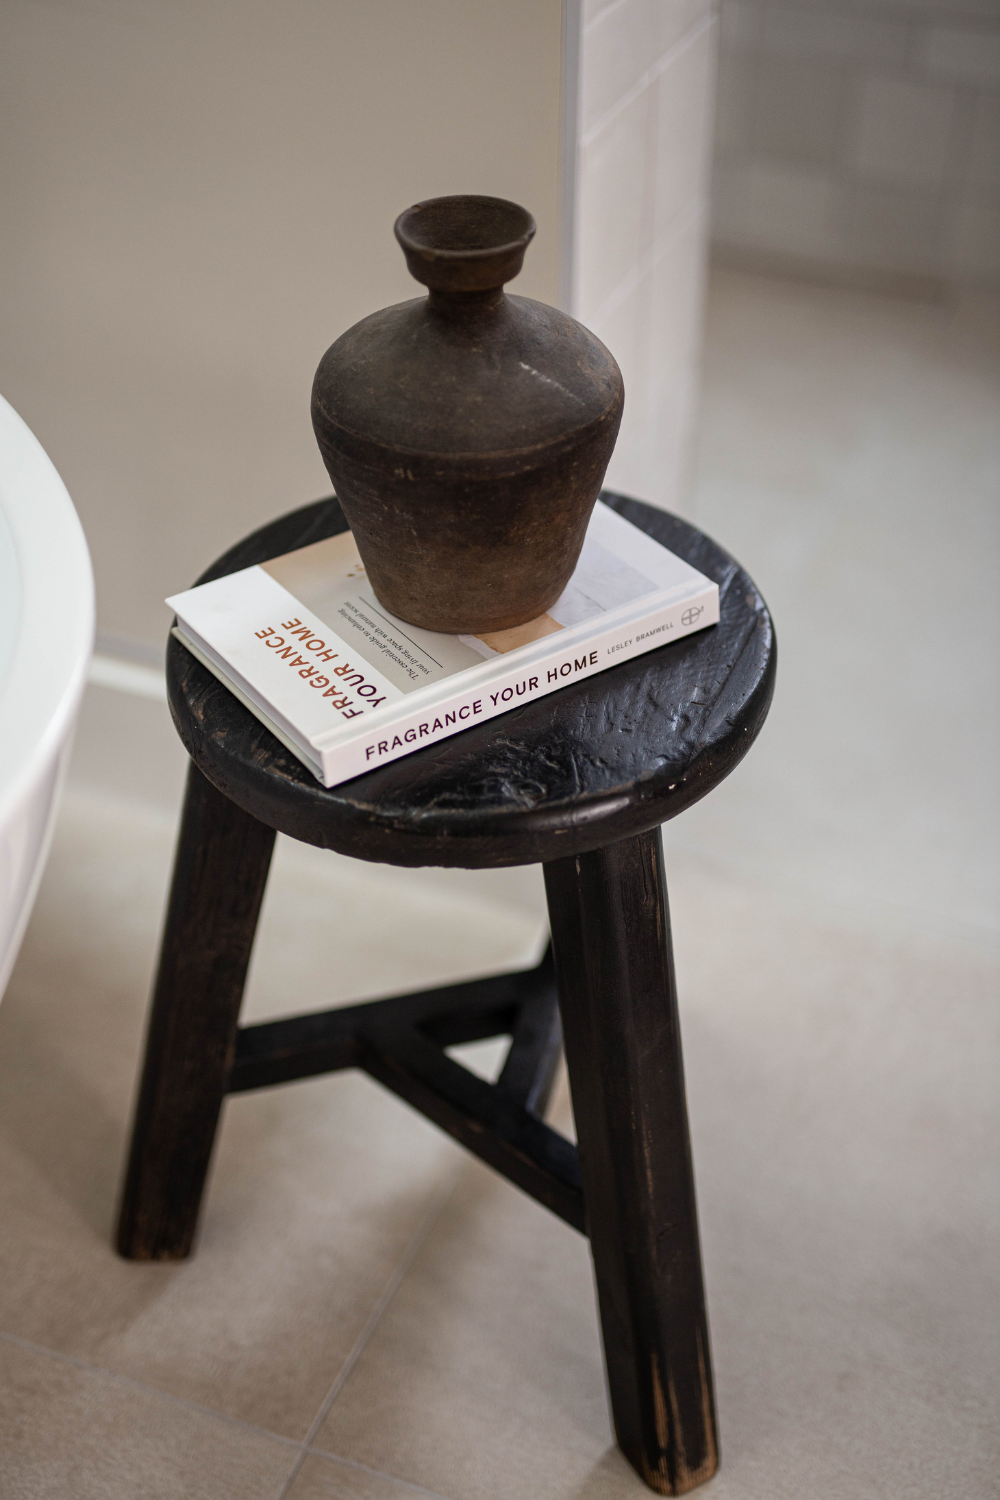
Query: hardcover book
{"type": "Point", "coordinates": [304, 643]}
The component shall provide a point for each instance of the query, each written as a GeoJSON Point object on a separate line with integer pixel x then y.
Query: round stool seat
{"type": "Point", "coordinates": [601, 759]}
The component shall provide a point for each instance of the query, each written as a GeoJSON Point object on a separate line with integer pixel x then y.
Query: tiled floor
{"type": "Point", "coordinates": [370, 1314]}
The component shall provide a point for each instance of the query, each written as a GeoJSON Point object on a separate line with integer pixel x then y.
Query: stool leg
{"type": "Point", "coordinates": [617, 995]}
{"type": "Point", "coordinates": [220, 871]}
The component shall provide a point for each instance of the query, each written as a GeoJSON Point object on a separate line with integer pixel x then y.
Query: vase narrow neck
{"type": "Point", "coordinates": [464, 305]}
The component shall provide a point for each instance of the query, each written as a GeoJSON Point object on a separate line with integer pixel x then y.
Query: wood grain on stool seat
{"type": "Point", "coordinates": [612, 755]}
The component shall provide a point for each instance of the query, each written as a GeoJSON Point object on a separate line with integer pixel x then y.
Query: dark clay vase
{"type": "Point", "coordinates": [467, 433]}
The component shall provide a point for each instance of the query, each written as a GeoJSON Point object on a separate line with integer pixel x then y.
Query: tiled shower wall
{"type": "Point", "coordinates": [861, 136]}
{"type": "Point", "coordinates": [646, 82]}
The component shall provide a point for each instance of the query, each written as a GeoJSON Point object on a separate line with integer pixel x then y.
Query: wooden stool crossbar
{"type": "Point", "coordinates": [579, 781]}
{"type": "Point", "coordinates": [401, 1043]}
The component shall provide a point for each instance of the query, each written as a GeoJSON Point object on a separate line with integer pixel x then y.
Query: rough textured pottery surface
{"type": "Point", "coordinates": [467, 432]}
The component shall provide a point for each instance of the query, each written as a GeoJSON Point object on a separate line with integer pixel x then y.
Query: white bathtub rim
{"type": "Point", "coordinates": [44, 681]}
{"type": "Point", "coordinates": [43, 802]}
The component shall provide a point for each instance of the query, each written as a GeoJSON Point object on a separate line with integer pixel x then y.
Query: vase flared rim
{"type": "Point", "coordinates": [466, 240]}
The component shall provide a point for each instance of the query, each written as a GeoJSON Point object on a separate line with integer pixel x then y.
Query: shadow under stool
{"type": "Point", "coordinates": [580, 781]}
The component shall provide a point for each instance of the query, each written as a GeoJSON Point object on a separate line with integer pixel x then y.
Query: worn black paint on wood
{"type": "Point", "coordinates": [615, 754]}
{"type": "Point", "coordinates": [611, 936]}
{"type": "Point", "coordinates": [401, 1042]}
{"type": "Point", "coordinates": [220, 872]}
{"type": "Point", "coordinates": [579, 780]}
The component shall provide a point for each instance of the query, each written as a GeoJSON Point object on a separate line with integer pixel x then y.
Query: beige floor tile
{"type": "Point", "coordinates": [849, 1208]}
{"type": "Point", "coordinates": [68, 1433]}
{"type": "Point", "coordinates": [317, 1189]}
{"type": "Point", "coordinates": [335, 930]}
{"type": "Point", "coordinates": [323, 1478]}
{"type": "Point", "coordinates": [484, 1378]}
{"type": "Point", "coordinates": [842, 1092]}
{"type": "Point", "coordinates": [849, 456]}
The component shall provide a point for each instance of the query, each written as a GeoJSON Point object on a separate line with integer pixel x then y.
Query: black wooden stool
{"type": "Point", "coordinates": [580, 780]}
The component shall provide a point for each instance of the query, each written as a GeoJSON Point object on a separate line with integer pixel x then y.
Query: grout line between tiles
{"type": "Point", "coordinates": [662, 244]}
{"type": "Point", "coordinates": [671, 55]}
{"type": "Point", "coordinates": [603, 13]}
{"type": "Point", "coordinates": [390, 1289]}
{"type": "Point", "coordinates": [352, 1463]}
{"type": "Point", "coordinates": [131, 1383]}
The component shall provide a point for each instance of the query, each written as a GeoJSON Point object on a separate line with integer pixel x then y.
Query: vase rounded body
{"type": "Point", "coordinates": [467, 434]}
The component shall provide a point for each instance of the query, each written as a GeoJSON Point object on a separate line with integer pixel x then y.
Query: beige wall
{"type": "Point", "coordinates": [198, 197]}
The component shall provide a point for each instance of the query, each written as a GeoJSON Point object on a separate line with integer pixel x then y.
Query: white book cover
{"type": "Point", "coordinates": [303, 642]}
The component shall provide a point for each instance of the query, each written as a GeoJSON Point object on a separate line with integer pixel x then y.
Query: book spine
{"type": "Point", "coordinates": [521, 685]}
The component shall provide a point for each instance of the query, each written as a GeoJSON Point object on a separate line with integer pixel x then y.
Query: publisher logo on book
{"type": "Point", "coordinates": [691, 614]}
